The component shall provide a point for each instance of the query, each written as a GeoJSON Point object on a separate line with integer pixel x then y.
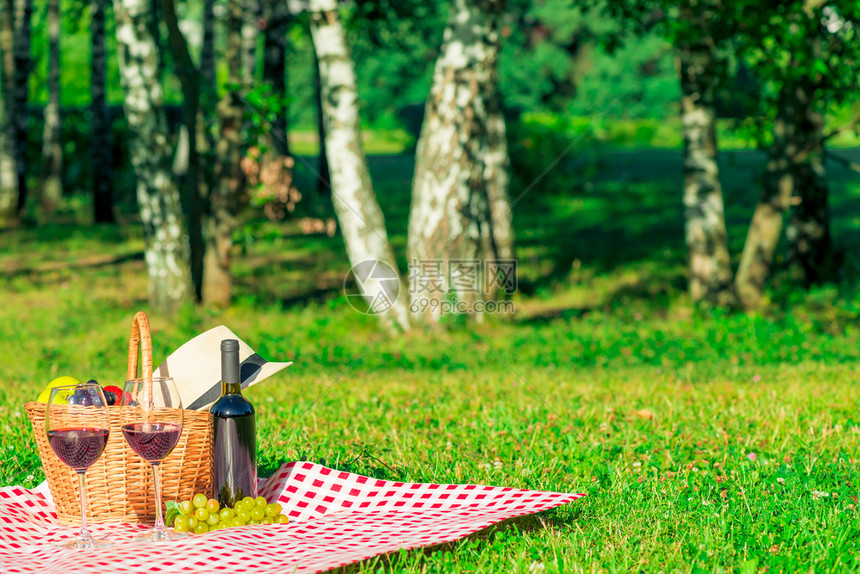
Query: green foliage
{"type": "Point", "coordinates": [703, 440]}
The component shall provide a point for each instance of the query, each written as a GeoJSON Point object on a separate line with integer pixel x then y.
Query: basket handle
{"type": "Point", "coordinates": [141, 339]}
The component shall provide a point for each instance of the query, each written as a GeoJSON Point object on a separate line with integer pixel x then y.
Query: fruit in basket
{"type": "Point", "coordinates": [113, 395]}
{"type": "Point", "coordinates": [58, 382]}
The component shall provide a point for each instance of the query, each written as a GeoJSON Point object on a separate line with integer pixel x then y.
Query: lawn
{"type": "Point", "coordinates": [705, 441]}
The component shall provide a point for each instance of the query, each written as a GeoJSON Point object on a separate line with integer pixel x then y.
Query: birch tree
{"type": "Point", "coordinates": [167, 256]}
{"type": "Point", "coordinates": [709, 271]}
{"type": "Point", "coordinates": [357, 210]}
{"type": "Point", "coordinates": [192, 137]}
{"type": "Point", "coordinates": [459, 191]}
{"type": "Point", "coordinates": [100, 141]}
{"type": "Point", "coordinates": [697, 30]}
{"type": "Point", "coordinates": [819, 44]}
{"type": "Point", "coordinates": [226, 188]}
{"type": "Point", "coordinates": [277, 18]}
{"type": "Point", "coordinates": [52, 151]}
{"type": "Point", "coordinates": [20, 91]}
{"type": "Point", "coordinates": [8, 174]}
{"type": "Point", "coordinates": [251, 11]}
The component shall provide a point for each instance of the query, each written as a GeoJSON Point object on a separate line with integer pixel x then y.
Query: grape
{"type": "Point", "coordinates": [186, 507]}
{"type": "Point", "coordinates": [249, 502]}
{"type": "Point", "coordinates": [199, 500]}
{"type": "Point", "coordinates": [268, 520]}
{"type": "Point", "coordinates": [258, 513]}
{"type": "Point", "coordinates": [192, 523]}
{"type": "Point", "coordinates": [254, 521]}
{"type": "Point", "coordinates": [260, 501]}
{"type": "Point", "coordinates": [180, 523]}
{"type": "Point", "coordinates": [202, 528]}
{"type": "Point", "coordinates": [213, 520]}
{"type": "Point", "coordinates": [227, 514]}
{"type": "Point", "coordinates": [244, 515]}
{"type": "Point", "coordinates": [283, 519]}
{"type": "Point", "coordinates": [212, 506]}
{"type": "Point", "coordinates": [201, 514]}
{"type": "Point", "coordinates": [238, 507]}
{"type": "Point", "coordinates": [273, 509]}
{"type": "Point", "coordinates": [237, 522]}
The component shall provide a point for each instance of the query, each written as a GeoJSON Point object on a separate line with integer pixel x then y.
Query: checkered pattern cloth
{"type": "Point", "coordinates": [336, 518]}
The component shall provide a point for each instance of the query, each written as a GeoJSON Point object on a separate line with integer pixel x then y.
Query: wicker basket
{"type": "Point", "coordinates": [119, 484]}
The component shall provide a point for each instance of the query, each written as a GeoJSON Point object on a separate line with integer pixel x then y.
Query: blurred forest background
{"type": "Point", "coordinates": [206, 119]}
{"type": "Point", "coordinates": [678, 183]}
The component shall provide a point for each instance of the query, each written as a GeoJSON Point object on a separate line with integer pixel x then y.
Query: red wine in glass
{"type": "Point", "coordinates": [151, 418]}
{"type": "Point", "coordinates": [152, 441]}
{"type": "Point", "coordinates": [78, 447]}
{"type": "Point", "coordinates": [78, 426]}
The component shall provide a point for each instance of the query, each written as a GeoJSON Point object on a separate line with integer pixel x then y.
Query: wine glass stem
{"type": "Point", "coordinates": [156, 480]}
{"type": "Point", "coordinates": [82, 479]}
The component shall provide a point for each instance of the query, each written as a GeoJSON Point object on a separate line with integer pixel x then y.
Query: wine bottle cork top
{"type": "Point", "coordinates": [230, 345]}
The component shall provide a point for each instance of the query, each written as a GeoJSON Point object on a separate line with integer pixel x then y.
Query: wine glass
{"type": "Point", "coordinates": [151, 414]}
{"type": "Point", "coordinates": [78, 427]}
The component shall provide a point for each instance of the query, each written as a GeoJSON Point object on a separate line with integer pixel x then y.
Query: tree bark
{"type": "Point", "coordinates": [227, 184]}
{"type": "Point", "coordinates": [52, 152]}
{"type": "Point", "coordinates": [274, 69]}
{"type": "Point", "coordinates": [500, 240]}
{"type": "Point", "coordinates": [8, 174]}
{"type": "Point", "coordinates": [766, 226]}
{"type": "Point", "coordinates": [23, 16]}
{"type": "Point", "coordinates": [207, 48]}
{"type": "Point", "coordinates": [190, 83]}
{"type": "Point", "coordinates": [323, 173]}
{"type": "Point", "coordinates": [358, 212]}
{"type": "Point", "coordinates": [810, 247]}
{"type": "Point", "coordinates": [249, 30]}
{"type": "Point", "coordinates": [460, 182]}
{"type": "Point", "coordinates": [167, 249]}
{"type": "Point", "coordinates": [101, 155]}
{"type": "Point", "coordinates": [710, 273]}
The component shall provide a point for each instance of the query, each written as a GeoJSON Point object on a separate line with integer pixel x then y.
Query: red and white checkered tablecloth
{"type": "Point", "coordinates": [336, 518]}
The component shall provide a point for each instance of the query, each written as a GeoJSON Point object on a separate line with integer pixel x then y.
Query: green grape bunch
{"type": "Point", "coordinates": [201, 514]}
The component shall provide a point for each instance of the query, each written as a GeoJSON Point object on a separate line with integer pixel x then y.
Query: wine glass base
{"type": "Point", "coordinates": [85, 544]}
{"type": "Point", "coordinates": [161, 535]}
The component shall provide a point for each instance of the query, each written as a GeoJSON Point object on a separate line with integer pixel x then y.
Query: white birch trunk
{"type": "Point", "coordinates": [8, 173]}
{"type": "Point", "coordinates": [710, 272]}
{"type": "Point", "coordinates": [167, 256]}
{"type": "Point", "coordinates": [52, 152]}
{"type": "Point", "coordinates": [251, 12]}
{"type": "Point", "coordinates": [460, 182]}
{"type": "Point", "coordinates": [355, 204]}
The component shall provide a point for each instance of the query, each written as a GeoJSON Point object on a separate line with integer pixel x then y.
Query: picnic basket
{"type": "Point", "coordinates": [119, 484]}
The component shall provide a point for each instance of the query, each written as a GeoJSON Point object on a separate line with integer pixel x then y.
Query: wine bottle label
{"type": "Point", "coordinates": [235, 459]}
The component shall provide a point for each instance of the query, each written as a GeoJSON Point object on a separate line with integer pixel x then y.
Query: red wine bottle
{"type": "Point", "coordinates": [235, 433]}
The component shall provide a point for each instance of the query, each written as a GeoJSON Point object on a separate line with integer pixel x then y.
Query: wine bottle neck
{"type": "Point", "coordinates": [230, 370]}
{"type": "Point", "coordinates": [231, 388]}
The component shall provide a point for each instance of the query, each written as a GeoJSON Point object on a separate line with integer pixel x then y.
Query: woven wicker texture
{"type": "Point", "coordinates": [119, 484]}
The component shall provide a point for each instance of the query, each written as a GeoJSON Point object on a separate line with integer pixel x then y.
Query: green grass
{"type": "Point", "coordinates": [705, 441]}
